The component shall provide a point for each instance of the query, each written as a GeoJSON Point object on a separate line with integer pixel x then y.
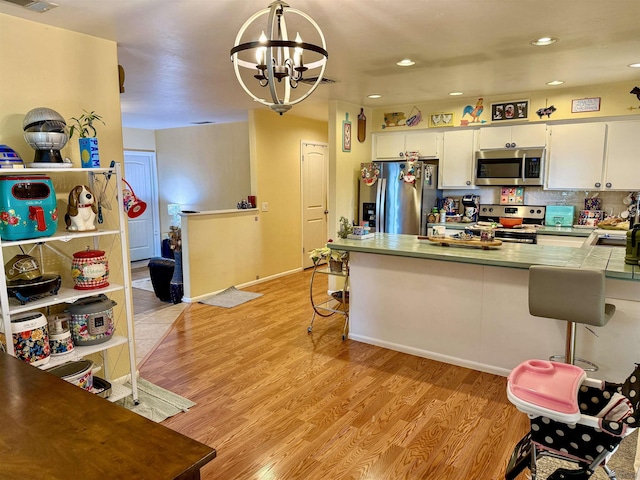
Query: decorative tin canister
{"type": "Point", "coordinates": [60, 334]}
{"type": "Point", "coordinates": [30, 337]}
{"type": "Point", "coordinates": [90, 270]}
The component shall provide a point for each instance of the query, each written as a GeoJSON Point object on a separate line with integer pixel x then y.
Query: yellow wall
{"type": "Point", "coordinates": [139, 139]}
{"type": "Point", "coordinates": [69, 72]}
{"type": "Point", "coordinates": [276, 162]}
{"type": "Point", "coordinates": [615, 100]}
{"type": "Point", "coordinates": [344, 170]}
{"type": "Point", "coordinates": [224, 249]}
{"type": "Point", "coordinates": [202, 168]}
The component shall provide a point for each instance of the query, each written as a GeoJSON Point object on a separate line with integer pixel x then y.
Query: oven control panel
{"type": "Point", "coordinates": [526, 212]}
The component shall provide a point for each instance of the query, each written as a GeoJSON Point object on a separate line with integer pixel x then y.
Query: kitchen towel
{"type": "Point", "coordinates": [229, 298]}
{"type": "Point", "coordinates": [155, 403]}
{"type": "Point", "coordinates": [143, 284]}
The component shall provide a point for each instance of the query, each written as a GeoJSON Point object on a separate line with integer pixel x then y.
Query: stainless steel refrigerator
{"type": "Point", "coordinates": [397, 197]}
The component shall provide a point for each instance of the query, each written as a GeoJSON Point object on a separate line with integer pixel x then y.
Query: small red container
{"type": "Point", "coordinates": [90, 270]}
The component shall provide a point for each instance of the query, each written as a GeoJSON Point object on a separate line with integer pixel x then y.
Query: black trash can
{"type": "Point", "coordinates": [161, 272]}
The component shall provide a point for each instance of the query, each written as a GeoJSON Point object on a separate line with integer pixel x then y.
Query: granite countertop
{"type": "Point", "coordinates": [511, 255]}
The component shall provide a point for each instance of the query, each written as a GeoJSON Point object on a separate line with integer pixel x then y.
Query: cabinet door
{"type": "Point", "coordinates": [494, 137]}
{"type": "Point", "coordinates": [426, 143]}
{"type": "Point", "coordinates": [525, 136]}
{"type": "Point", "coordinates": [456, 162]}
{"type": "Point", "coordinates": [515, 136]}
{"type": "Point", "coordinates": [386, 146]}
{"type": "Point", "coordinates": [623, 145]}
{"type": "Point", "coordinates": [576, 156]}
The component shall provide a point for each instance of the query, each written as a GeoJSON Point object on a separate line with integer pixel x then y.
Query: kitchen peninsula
{"type": "Point", "coordinates": [469, 307]}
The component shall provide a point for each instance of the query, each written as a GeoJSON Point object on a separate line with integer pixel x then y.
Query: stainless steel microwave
{"type": "Point", "coordinates": [510, 167]}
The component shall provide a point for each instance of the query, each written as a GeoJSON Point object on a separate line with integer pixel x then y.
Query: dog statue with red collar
{"type": "Point", "coordinates": [82, 209]}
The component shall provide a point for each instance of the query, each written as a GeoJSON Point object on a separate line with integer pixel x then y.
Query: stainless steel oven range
{"type": "Point", "coordinates": [531, 216]}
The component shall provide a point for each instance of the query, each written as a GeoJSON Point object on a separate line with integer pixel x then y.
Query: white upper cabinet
{"type": "Point", "coordinates": [576, 156]}
{"type": "Point", "coordinates": [513, 136]}
{"type": "Point", "coordinates": [392, 146]}
{"type": "Point", "coordinates": [594, 156]}
{"type": "Point", "coordinates": [456, 162]}
{"type": "Point", "coordinates": [622, 163]}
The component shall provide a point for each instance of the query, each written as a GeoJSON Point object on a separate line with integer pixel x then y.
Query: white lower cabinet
{"type": "Point", "coordinates": [55, 255]}
{"type": "Point", "coordinates": [456, 162]}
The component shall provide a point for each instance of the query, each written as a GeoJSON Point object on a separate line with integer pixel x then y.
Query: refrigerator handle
{"type": "Point", "coordinates": [380, 204]}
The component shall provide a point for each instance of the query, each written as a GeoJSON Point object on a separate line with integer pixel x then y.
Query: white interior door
{"type": "Point", "coordinates": [144, 230]}
{"type": "Point", "coordinates": [314, 198]}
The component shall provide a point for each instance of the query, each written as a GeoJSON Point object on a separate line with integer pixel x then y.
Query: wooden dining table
{"type": "Point", "coordinates": [51, 429]}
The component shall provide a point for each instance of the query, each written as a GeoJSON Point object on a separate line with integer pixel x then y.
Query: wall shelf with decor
{"type": "Point", "coordinates": [51, 252]}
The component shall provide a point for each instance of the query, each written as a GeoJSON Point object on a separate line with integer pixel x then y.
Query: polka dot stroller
{"type": "Point", "coordinates": [573, 418]}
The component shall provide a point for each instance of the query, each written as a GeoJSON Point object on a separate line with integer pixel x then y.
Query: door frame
{"type": "Point", "coordinates": [326, 193]}
{"type": "Point", "coordinates": [153, 204]}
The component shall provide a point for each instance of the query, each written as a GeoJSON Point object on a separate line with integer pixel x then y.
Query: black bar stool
{"type": "Point", "coordinates": [572, 294]}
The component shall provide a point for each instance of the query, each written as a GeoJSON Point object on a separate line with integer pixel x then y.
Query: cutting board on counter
{"type": "Point", "coordinates": [474, 242]}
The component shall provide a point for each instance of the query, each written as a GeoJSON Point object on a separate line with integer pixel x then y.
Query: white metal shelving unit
{"type": "Point", "coordinates": [11, 306]}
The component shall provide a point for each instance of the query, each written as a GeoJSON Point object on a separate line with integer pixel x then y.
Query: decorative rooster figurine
{"type": "Point", "coordinates": [474, 112]}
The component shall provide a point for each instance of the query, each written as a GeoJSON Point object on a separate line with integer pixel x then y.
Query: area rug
{"type": "Point", "coordinates": [621, 462]}
{"type": "Point", "coordinates": [155, 403]}
{"type": "Point", "coordinates": [143, 284]}
{"type": "Point", "coordinates": [229, 298]}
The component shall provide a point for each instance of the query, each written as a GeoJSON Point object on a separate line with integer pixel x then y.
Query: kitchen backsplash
{"type": "Point", "coordinates": [611, 201]}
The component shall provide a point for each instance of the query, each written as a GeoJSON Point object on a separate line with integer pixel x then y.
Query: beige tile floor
{"type": "Point", "coordinates": [151, 317]}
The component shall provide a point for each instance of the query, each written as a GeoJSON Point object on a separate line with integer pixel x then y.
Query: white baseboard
{"type": "Point", "coordinates": [124, 379]}
{"type": "Point", "coordinates": [242, 285]}
{"type": "Point", "coordinates": [460, 362]}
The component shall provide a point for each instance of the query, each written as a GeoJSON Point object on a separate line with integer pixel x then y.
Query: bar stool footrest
{"type": "Point", "coordinates": [587, 366]}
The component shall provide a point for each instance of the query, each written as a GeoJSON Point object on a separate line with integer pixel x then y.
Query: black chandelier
{"type": "Point", "coordinates": [277, 62]}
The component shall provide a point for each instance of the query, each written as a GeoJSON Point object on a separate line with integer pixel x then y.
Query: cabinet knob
{"type": "Point", "coordinates": [401, 154]}
{"type": "Point", "coordinates": [507, 145]}
{"type": "Point", "coordinates": [468, 182]}
{"type": "Point", "coordinates": [608, 185]}
{"type": "Point", "coordinates": [597, 185]}
{"type": "Point", "coordinates": [513, 145]}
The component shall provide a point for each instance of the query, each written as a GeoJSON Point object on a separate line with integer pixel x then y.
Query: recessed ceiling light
{"type": "Point", "coordinates": [374, 95]}
{"type": "Point", "coordinates": [406, 62]}
{"type": "Point", "coordinates": [553, 83]}
{"type": "Point", "coordinates": [635, 65]}
{"type": "Point", "coordinates": [542, 41]}
{"type": "Point", "coordinates": [455, 94]}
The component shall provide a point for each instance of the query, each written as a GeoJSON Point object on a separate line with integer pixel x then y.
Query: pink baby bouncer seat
{"type": "Point", "coordinates": [573, 418]}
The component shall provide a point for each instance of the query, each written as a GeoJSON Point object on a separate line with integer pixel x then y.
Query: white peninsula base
{"type": "Point", "coordinates": [477, 316]}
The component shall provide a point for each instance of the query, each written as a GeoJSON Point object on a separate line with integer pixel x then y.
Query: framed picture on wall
{"type": "Point", "coordinates": [580, 105]}
{"type": "Point", "coordinates": [346, 134]}
{"type": "Point", "coordinates": [514, 110]}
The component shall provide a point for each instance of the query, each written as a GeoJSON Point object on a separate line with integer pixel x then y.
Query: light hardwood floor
{"type": "Point", "coordinates": [278, 403]}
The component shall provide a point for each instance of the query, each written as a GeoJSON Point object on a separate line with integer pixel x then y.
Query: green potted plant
{"type": "Point", "coordinates": [336, 258]}
{"type": "Point", "coordinates": [84, 126]}
{"type": "Point", "coordinates": [346, 228]}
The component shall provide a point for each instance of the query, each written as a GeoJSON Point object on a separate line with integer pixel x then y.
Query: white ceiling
{"type": "Point", "coordinates": [178, 71]}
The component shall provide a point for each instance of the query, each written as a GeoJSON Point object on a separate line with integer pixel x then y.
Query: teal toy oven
{"type": "Point", "coordinates": [27, 207]}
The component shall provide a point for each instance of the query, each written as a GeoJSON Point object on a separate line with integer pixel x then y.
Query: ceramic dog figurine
{"type": "Point", "coordinates": [82, 209]}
